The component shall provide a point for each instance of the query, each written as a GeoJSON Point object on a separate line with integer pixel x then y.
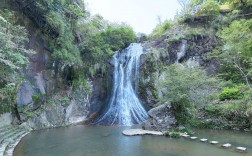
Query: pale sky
{"type": "Point", "coordinates": [139, 14]}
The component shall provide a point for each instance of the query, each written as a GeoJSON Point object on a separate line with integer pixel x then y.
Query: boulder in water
{"type": "Point", "coordinates": [160, 118]}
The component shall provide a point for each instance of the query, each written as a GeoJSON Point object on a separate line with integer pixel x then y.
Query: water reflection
{"type": "Point", "coordinates": [108, 141]}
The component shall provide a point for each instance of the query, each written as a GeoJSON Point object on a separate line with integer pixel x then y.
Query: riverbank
{"type": "Point", "coordinates": [10, 136]}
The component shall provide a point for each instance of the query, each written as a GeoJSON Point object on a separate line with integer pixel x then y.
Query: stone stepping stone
{"type": "Point", "coordinates": [214, 142]}
{"type": "Point", "coordinates": [203, 140]}
{"type": "Point", "coordinates": [227, 145]}
{"type": "Point", "coordinates": [193, 138]}
{"type": "Point", "coordinates": [185, 135]}
{"type": "Point", "coordinates": [133, 132]}
{"type": "Point", "coordinates": [241, 149]}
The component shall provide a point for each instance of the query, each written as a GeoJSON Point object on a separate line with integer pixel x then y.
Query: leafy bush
{"type": "Point", "coordinates": [209, 7]}
{"type": "Point", "coordinates": [56, 21]}
{"type": "Point", "coordinates": [118, 37]}
{"type": "Point", "coordinates": [237, 3]}
{"type": "Point", "coordinates": [101, 45]}
{"type": "Point", "coordinates": [229, 114]}
{"type": "Point", "coordinates": [230, 93]}
{"type": "Point", "coordinates": [160, 29]}
{"type": "Point", "coordinates": [199, 123]}
{"type": "Point", "coordinates": [7, 97]}
{"type": "Point", "coordinates": [173, 134]}
{"type": "Point", "coordinates": [65, 51]}
{"type": "Point", "coordinates": [185, 130]}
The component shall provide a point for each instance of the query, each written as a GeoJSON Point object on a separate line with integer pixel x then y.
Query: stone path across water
{"type": "Point", "coordinates": [134, 132]}
{"type": "Point", "coordinates": [226, 145]}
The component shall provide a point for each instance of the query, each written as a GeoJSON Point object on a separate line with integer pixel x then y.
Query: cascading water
{"type": "Point", "coordinates": [124, 108]}
{"type": "Point", "coordinates": [182, 50]}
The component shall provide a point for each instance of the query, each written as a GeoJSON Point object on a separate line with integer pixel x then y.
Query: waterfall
{"type": "Point", "coordinates": [182, 50]}
{"type": "Point", "coordinates": [124, 107]}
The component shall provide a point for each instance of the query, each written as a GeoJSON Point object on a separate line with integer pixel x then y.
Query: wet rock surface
{"type": "Point", "coordinates": [5, 119]}
{"type": "Point", "coordinates": [62, 113]}
{"type": "Point", "coordinates": [161, 118]}
{"type": "Point", "coordinates": [24, 95]}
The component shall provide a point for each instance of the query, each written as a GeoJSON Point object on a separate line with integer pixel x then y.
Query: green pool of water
{"type": "Point", "coordinates": [109, 141]}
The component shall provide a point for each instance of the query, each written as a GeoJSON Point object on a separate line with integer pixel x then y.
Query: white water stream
{"type": "Point", "coordinates": [124, 107]}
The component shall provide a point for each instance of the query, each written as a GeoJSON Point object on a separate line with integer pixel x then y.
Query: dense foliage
{"type": "Point", "coordinates": [60, 20]}
{"type": "Point", "coordinates": [221, 100]}
{"type": "Point", "coordinates": [187, 88]}
{"type": "Point", "coordinates": [79, 44]}
{"type": "Point", "coordinates": [236, 51]}
{"type": "Point", "coordinates": [101, 45]}
{"type": "Point", "coordinates": [76, 38]}
{"type": "Point", "coordinates": [13, 57]}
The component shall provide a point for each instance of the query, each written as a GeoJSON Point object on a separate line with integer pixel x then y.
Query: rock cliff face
{"type": "Point", "coordinates": [162, 52]}
{"type": "Point", "coordinates": [61, 112]}
{"type": "Point", "coordinates": [43, 99]}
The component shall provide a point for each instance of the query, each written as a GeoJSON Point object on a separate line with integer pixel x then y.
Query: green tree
{"type": "Point", "coordinates": [100, 45]}
{"type": "Point", "coordinates": [187, 89]}
{"type": "Point", "coordinates": [236, 51]}
{"type": "Point", "coordinates": [118, 37]}
{"type": "Point", "coordinates": [180, 84]}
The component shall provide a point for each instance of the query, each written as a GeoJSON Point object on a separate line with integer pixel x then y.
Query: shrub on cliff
{"type": "Point", "coordinates": [209, 7]}
{"type": "Point", "coordinates": [160, 29]}
{"type": "Point", "coordinates": [228, 93]}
